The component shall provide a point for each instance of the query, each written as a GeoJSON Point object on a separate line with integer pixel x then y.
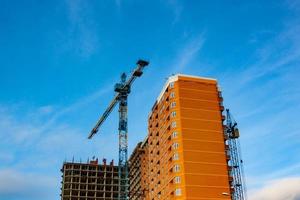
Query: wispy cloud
{"type": "Point", "coordinates": [258, 181]}
{"type": "Point", "coordinates": [16, 185]}
{"type": "Point", "coordinates": [264, 96]}
{"type": "Point", "coordinates": [33, 145]}
{"type": "Point", "coordinates": [45, 157]}
{"type": "Point", "coordinates": [19, 131]}
{"type": "Point", "coordinates": [278, 189]}
{"type": "Point", "coordinates": [81, 35]}
{"type": "Point", "coordinates": [281, 51]}
{"type": "Point", "coordinates": [76, 105]}
{"type": "Point", "coordinates": [177, 9]}
{"type": "Point", "coordinates": [188, 53]}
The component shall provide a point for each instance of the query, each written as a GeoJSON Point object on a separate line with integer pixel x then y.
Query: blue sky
{"type": "Point", "coordinates": [60, 59]}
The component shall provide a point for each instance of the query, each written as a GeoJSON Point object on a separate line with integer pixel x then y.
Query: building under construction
{"type": "Point", "coordinates": [188, 153]}
{"type": "Point", "coordinates": [138, 172]}
{"type": "Point", "coordinates": [191, 151]}
{"type": "Point", "coordinates": [89, 181]}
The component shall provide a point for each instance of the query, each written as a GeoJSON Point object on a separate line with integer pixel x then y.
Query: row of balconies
{"type": "Point", "coordinates": [169, 155]}
{"type": "Point", "coordinates": [162, 152]}
{"type": "Point", "coordinates": [135, 180]}
{"type": "Point", "coordinates": [165, 192]}
{"type": "Point", "coordinates": [134, 188]}
{"type": "Point", "coordinates": [160, 129]}
{"type": "Point", "coordinates": [159, 138]}
{"type": "Point", "coordinates": [162, 184]}
{"type": "Point", "coordinates": [167, 171]}
{"type": "Point", "coordinates": [165, 158]}
{"type": "Point", "coordinates": [156, 109]}
{"type": "Point", "coordinates": [162, 107]}
{"type": "Point", "coordinates": [134, 169]}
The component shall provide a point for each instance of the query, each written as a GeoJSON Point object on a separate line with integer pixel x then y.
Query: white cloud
{"type": "Point", "coordinates": [259, 181]}
{"type": "Point", "coordinates": [264, 98]}
{"type": "Point", "coordinates": [37, 143]}
{"type": "Point", "coordinates": [81, 35]}
{"type": "Point", "coordinates": [76, 105]}
{"type": "Point", "coordinates": [177, 9]}
{"type": "Point", "coordinates": [15, 184]}
{"type": "Point", "coordinates": [32, 127]}
{"type": "Point", "coordinates": [188, 53]}
{"type": "Point", "coordinates": [279, 189]}
{"type": "Point", "coordinates": [280, 52]}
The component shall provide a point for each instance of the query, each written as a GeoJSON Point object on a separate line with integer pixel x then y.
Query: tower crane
{"type": "Point", "coordinates": [122, 90]}
{"type": "Point", "coordinates": [236, 163]}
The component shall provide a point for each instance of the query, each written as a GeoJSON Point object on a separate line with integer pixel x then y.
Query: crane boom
{"type": "Point", "coordinates": [104, 116]}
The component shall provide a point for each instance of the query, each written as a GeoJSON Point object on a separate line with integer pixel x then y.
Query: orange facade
{"type": "Point", "coordinates": [186, 147]}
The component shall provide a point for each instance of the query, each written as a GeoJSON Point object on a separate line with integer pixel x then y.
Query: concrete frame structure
{"type": "Point", "coordinates": [138, 172]}
{"type": "Point", "coordinates": [89, 181]}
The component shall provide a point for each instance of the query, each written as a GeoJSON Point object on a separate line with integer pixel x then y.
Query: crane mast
{"type": "Point", "coordinates": [123, 145]}
{"type": "Point", "coordinates": [122, 90]}
{"type": "Point", "coordinates": [236, 163]}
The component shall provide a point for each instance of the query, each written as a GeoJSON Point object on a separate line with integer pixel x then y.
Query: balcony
{"type": "Point", "coordinates": [222, 108]}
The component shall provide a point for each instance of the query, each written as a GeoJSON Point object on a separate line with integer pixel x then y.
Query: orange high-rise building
{"type": "Point", "coordinates": [186, 145]}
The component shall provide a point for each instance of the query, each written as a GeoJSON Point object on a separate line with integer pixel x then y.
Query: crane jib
{"type": "Point", "coordinates": [103, 117]}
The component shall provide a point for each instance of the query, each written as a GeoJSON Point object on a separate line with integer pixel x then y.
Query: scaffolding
{"type": "Point", "coordinates": [236, 172]}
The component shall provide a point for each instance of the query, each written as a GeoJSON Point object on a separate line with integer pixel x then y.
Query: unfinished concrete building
{"type": "Point", "coordinates": [135, 165]}
{"type": "Point", "coordinates": [138, 172]}
{"type": "Point", "coordinates": [89, 181]}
